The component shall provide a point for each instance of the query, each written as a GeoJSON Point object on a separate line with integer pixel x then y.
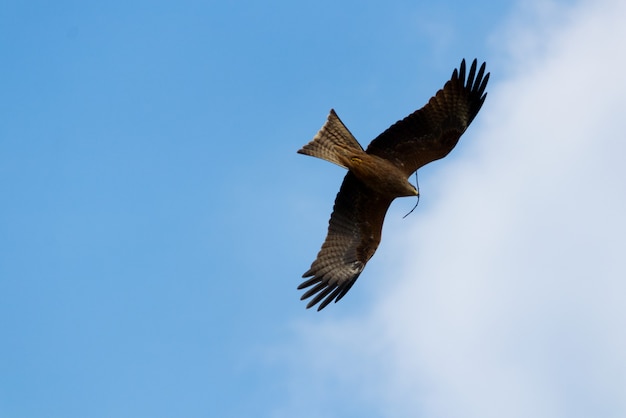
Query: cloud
{"type": "Point", "coordinates": [505, 296]}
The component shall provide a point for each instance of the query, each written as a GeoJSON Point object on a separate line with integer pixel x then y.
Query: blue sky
{"type": "Point", "coordinates": [156, 218]}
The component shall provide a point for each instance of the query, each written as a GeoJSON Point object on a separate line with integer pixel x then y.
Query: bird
{"type": "Point", "coordinates": [379, 174]}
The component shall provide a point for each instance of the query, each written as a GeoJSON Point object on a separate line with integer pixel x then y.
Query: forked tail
{"type": "Point", "coordinates": [332, 142]}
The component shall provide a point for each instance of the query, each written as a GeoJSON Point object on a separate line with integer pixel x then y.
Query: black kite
{"type": "Point", "coordinates": [379, 174]}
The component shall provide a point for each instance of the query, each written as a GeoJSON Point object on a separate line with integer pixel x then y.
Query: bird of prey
{"type": "Point", "coordinates": [379, 174]}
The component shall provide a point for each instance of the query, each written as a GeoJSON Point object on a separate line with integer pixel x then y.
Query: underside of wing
{"type": "Point", "coordinates": [431, 132]}
{"type": "Point", "coordinates": [354, 232]}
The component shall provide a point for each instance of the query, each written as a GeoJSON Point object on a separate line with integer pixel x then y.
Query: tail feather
{"type": "Point", "coordinates": [332, 141]}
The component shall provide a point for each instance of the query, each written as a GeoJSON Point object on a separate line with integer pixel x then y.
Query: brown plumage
{"type": "Point", "coordinates": [379, 174]}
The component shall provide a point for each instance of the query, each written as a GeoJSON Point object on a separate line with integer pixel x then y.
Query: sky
{"type": "Point", "coordinates": [156, 219]}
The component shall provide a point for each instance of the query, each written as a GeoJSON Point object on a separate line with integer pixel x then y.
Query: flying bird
{"type": "Point", "coordinates": [379, 174]}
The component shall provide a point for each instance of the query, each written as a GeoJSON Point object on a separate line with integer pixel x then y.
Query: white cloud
{"type": "Point", "coordinates": [510, 301]}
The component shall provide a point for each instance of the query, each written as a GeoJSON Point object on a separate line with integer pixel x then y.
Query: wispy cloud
{"type": "Point", "coordinates": [509, 297]}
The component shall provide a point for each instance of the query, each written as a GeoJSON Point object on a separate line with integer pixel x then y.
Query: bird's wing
{"type": "Point", "coordinates": [354, 232]}
{"type": "Point", "coordinates": [431, 132]}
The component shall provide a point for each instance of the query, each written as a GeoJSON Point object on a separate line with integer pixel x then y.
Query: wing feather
{"type": "Point", "coordinates": [354, 232]}
{"type": "Point", "coordinates": [431, 132]}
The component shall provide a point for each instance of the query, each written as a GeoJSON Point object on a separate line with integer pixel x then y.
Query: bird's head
{"type": "Point", "coordinates": [409, 190]}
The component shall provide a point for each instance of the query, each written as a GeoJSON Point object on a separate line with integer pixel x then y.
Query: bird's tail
{"type": "Point", "coordinates": [333, 142]}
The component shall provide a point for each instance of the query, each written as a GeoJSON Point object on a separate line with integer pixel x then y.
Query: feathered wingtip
{"type": "Point", "coordinates": [475, 84]}
{"type": "Point", "coordinates": [324, 291]}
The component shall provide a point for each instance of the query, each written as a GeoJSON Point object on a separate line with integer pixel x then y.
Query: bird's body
{"type": "Point", "coordinates": [379, 174]}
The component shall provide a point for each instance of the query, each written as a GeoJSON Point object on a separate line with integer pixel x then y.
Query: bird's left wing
{"type": "Point", "coordinates": [354, 232]}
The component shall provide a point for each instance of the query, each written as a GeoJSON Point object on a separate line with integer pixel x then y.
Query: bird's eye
{"type": "Point", "coordinates": [355, 159]}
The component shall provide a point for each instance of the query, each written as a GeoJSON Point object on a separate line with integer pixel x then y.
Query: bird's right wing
{"type": "Point", "coordinates": [354, 232]}
{"type": "Point", "coordinates": [431, 132]}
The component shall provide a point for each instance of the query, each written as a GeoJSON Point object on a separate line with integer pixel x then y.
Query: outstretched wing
{"type": "Point", "coordinates": [431, 132]}
{"type": "Point", "coordinates": [354, 233]}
